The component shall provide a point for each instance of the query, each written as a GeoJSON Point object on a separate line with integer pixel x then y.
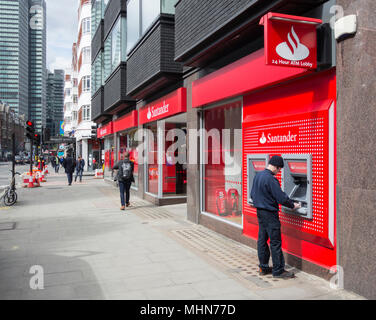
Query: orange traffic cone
{"type": "Point", "coordinates": [41, 177]}
{"type": "Point", "coordinates": [31, 182]}
{"type": "Point", "coordinates": [46, 170]}
{"type": "Point", "coordinates": [36, 179]}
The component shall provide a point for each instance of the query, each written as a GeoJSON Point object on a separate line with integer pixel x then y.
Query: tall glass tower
{"type": "Point", "coordinates": [37, 63]}
{"type": "Point", "coordinates": [14, 54]}
{"type": "Point", "coordinates": [55, 101]}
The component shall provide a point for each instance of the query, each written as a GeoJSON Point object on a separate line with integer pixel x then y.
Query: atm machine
{"type": "Point", "coordinates": [297, 182]}
{"type": "Point", "coordinates": [255, 164]}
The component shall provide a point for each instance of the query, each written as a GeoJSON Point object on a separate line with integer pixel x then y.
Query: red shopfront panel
{"type": "Point", "coordinates": [294, 119]}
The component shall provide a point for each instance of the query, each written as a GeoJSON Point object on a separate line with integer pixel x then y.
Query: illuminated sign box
{"type": "Point", "coordinates": [290, 41]}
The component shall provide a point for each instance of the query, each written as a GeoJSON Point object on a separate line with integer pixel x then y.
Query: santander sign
{"type": "Point", "coordinates": [157, 111]}
{"type": "Point", "coordinates": [169, 105]}
{"type": "Point", "coordinates": [278, 136]}
{"type": "Point", "coordinates": [290, 41]}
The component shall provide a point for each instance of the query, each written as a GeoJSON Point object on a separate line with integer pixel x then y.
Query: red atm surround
{"type": "Point", "coordinates": [299, 109]}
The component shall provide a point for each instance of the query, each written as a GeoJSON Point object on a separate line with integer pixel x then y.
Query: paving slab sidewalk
{"type": "Point", "coordinates": [89, 249]}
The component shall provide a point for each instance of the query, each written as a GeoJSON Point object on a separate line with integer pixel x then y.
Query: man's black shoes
{"type": "Point", "coordinates": [285, 275]}
{"type": "Point", "coordinates": [265, 271]}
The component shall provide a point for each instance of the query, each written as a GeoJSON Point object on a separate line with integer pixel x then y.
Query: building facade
{"type": "Point", "coordinates": [199, 78]}
{"type": "Point", "coordinates": [11, 122]}
{"type": "Point", "coordinates": [37, 63]}
{"type": "Point", "coordinates": [14, 55]}
{"type": "Point", "coordinates": [23, 58]}
{"type": "Point", "coordinates": [55, 101]}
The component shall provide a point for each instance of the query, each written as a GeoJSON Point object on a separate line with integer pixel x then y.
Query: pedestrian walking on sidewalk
{"type": "Point", "coordinates": [69, 165]}
{"type": "Point", "coordinates": [57, 164]}
{"type": "Point", "coordinates": [125, 178]}
{"type": "Point", "coordinates": [266, 194]}
{"type": "Point", "coordinates": [80, 164]}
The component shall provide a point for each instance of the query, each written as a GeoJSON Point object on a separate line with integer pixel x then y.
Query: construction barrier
{"type": "Point", "coordinates": [98, 174]}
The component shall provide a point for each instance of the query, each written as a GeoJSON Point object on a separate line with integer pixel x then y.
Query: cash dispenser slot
{"type": "Point", "coordinates": [297, 183]}
{"type": "Point", "coordinates": [255, 164]}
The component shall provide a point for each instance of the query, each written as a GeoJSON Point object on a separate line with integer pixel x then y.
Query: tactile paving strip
{"type": "Point", "coordinates": [149, 211]}
{"type": "Point", "coordinates": [236, 258]}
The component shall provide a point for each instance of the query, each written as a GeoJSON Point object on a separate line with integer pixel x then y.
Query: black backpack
{"type": "Point", "coordinates": [125, 170]}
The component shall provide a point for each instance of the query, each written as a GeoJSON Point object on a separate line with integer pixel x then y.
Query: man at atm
{"type": "Point", "coordinates": [266, 194]}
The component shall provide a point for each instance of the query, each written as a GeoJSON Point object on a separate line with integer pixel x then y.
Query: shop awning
{"type": "Point", "coordinates": [167, 106]}
{"type": "Point", "coordinates": [105, 130]}
{"type": "Point", "coordinates": [126, 122]}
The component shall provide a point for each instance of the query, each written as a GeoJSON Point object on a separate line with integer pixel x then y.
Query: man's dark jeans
{"type": "Point", "coordinates": [125, 186]}
{"type": "Point", "coordinates": [70, 177]}
{"type": "Point", "coordinates": [78, 174]}
{"type": "Point", "coordinates": [270, 228]}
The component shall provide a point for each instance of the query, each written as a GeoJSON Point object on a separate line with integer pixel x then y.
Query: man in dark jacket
{"type": "Point", "coordinates": [69, 165]}
{"type": "Point", "coordinates": [266, 194]}
{"type": "Point", "coordinates": [80, 164]}
{"type": "Point", "coordinates": [125, 178]}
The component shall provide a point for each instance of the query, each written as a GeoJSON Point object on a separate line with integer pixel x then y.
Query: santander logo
{"type": "Point", "coordinates": [292, 49]}
{"type": "Point", "coordinates": [263, 138]}
{"type": "Point", "coordinates": [277, 137]}
{"type": "Point", "coordinates": [157, 111]}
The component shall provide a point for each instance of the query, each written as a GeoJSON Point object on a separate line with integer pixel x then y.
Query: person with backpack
{"type": "Point", "coordinates": [80, 165]}
{"type": "Point", "coordinates": [125, 178]}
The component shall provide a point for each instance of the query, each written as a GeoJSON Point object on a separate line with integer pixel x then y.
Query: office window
{"type": "Point", "coordinates": [150, 10]}
{"type": "Point", "coordinates": [114, 47]}
{"type": "Point", "coordinates": [96, 73]}
{"type": "Point", "coordinates": [133, 23]}
{"type": "Point", "coordinates": [141, 14]}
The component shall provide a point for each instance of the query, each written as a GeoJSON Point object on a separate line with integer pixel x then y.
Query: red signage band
{"type": "Point", "coordinates": [105, 130]}
{"type": "Point", "coordinates": [171, 104]}
{"type": "Point", "coordinates": [290, 41]}
{"type": "Point", "coordinates": [126, 122]}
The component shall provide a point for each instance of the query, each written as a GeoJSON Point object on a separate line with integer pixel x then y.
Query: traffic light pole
{"type": "Point", "coordinates": [31, 156]}
{"type": "Point", "coordinates": [13, 159]}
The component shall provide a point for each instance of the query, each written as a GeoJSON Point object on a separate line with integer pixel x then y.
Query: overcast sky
{"type": "Point", "coordinates": [61, 32]}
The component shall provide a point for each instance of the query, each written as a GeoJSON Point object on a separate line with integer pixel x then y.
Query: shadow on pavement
{"type": "Point", "coordinates": [62, 277]}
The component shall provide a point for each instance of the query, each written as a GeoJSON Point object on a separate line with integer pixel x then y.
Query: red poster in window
{"type": "Point", "coordinates": [290, 41]}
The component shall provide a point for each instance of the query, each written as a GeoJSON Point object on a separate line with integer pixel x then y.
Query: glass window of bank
{"type": "Point", "coordinates": [142, 14]}
{"type": "Point", "coordinates": [221, 162]}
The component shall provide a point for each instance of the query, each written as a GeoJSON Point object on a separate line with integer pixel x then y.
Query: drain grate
{"type": "Point", "coordinates": [7, 226]}
{"type": "Point", "coordinates": [237, 259]}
